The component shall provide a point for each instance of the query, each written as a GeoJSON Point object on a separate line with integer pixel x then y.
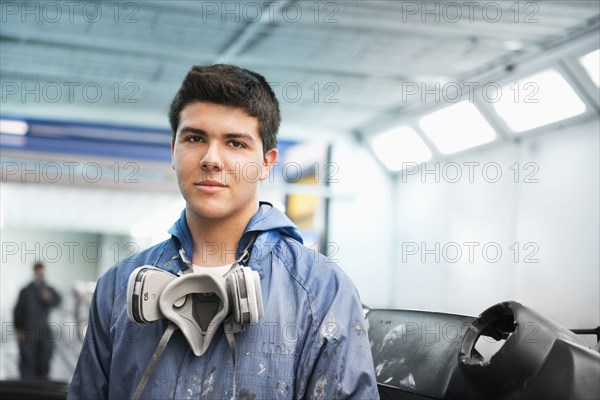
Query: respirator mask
{"type": "Point", "coordinates": [195, 302]}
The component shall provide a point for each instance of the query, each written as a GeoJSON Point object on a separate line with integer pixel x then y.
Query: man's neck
{"type": "Point", "coordinates": [215, 241]}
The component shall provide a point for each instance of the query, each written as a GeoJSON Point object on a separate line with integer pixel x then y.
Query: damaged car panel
{"type": "Point", "coordinates": [426, 355]}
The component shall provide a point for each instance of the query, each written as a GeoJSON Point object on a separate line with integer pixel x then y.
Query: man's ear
{"type": "Point", "coordinates": [172, 150]}
{"type": "Point", "coordinates": [269, 159]}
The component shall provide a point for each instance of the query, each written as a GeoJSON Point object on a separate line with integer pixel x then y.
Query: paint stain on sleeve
{"type": "Point", "coordinates": [319, 391]}
{"type": "Point", "coordinates": [208, 384]}
{"type": "Point", "coordinates": [246, 394]}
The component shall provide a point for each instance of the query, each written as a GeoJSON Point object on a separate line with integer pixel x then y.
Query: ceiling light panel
{"type": "Point", "coordinates": [456, 128]}
{"type": "Point", "coordinates": [399, 147]}
{"type": "Point", "coordinates": [537, 100]}
{"type": "Point", "coordinates": [591, 63]}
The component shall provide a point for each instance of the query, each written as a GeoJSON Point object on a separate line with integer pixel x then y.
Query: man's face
{"type": "Point", "coordinates": [218, 157]}
{"type": "Point", "coordinates": [38, 273]}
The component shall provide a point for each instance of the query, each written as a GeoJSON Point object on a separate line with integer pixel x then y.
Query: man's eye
{"type": "Point", "coordinates": [195, 139]}
{"type": "Point", "coordinates": [236, 144]}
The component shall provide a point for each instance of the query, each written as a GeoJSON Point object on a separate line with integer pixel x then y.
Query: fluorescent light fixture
{"type": "Point", "coordinates": [458, 127]}
{"type": "Point", "coordinates": [591, 64]}
{"type": "Point", "coordinates": [513, 45]}
{"type": "Point", "coordinates": [537, 100]}
{"type": "Point", "coordinates": [13, 127]}
{"type": "Point", "coordinates": [397, 147]}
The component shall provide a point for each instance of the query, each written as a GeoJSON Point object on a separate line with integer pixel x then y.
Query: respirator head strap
{"type": "Point", "coordinates": [245, 257]}
{"type": "Point", "coordinates": [188, 266]}
{"type": "Point", "coordinates": [154, 360]}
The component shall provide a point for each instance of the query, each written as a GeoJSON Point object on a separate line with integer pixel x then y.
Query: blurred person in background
{"type": "Point", "coordinates": [31, 322]}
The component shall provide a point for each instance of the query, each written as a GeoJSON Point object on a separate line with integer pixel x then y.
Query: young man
{"type": "Point", "coordinates": [310, 342]}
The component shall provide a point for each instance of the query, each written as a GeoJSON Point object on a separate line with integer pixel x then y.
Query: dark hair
{"type": "Point", "coordinates": [38, 265]}
{"type": "Point", "coordinates": [230, 86]}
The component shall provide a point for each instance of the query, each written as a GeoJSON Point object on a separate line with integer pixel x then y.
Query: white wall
{"type": "Point", "coordinates": [360, 223]}
{"type": "Point", "coordinates": [116, 248]}
{"type": "Point", "coordinates": [558, 216]}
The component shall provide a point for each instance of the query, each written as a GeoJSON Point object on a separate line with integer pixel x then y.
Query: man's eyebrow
{"type": "Point", "coordinates": [239, 136]}
{"type": "Point", "coordinates": [201, 132]}
{"type": "Point", "coordinates": [197, 131]}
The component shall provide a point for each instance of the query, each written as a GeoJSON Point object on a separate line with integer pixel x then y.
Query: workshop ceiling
{"type": "Point", "coordinates": [336, 66]}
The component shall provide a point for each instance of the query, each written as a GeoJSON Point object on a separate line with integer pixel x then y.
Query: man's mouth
{"type": "Point", "coordinates": [210, 183]}
{"type": "Point", "coordinates": [209, 186]}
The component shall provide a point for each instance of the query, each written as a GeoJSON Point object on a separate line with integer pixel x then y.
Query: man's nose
{"type": "Point", "coordinates": [212, 159]}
